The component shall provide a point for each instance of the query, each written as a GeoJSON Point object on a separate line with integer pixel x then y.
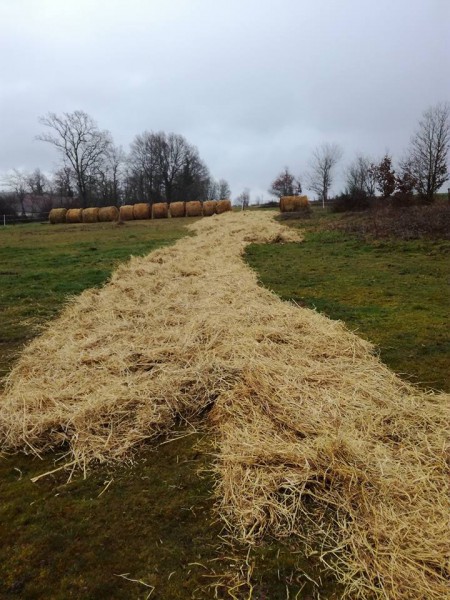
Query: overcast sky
{"type": "Point", "coordinates": [254, 84]}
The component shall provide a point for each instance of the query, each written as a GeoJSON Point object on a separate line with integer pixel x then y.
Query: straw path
{"type": "Point", "coordinates": [315, 437]}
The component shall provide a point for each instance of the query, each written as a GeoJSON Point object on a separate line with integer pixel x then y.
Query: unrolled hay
{"type": "Point", "coordinates": [90, 215]}
{"type": "Point", "coordinates": [160, 210]}
{"type": "Point", "coordinates": [209, 208]}
{"type": "Point", "coordinates": [57, 215]}
{"type": "Point", "coordinates": [126, 212]}
{"type": "Point", "coordinates": [194, 209]}
{"type": "Point", "coordinates": [223, 206]}
{"type": "Point", "coordinates": [142, 211]}
{"type": "Point", "coordinates": [316, 438]}
{"type": "Point", "coordinates": [74, 215]}
{"type": "Point", "coordinates": [177, 209]}
{"type": "Point", "coordinates": [108, 213]}
{"type": "Point", "coordinates": [294, 203]}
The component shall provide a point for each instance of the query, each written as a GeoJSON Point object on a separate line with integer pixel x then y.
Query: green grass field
{"type": "Point", "coordinates": [155, 520]}
{"type": "Point", "coordinates": [43, 265]}
{"type": "Point", "coordinates": [393, 293]}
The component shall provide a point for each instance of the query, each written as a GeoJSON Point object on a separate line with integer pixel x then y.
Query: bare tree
{"type": "Point", "coordinates": [359, 176]}
{"type": "Point", "coordinates": [38, 183]}
{"type": "Point", "coordinates": [17, 182]}
{"type": "Point", "coordinates": [165, 167]}
{"type": "Point", "coordinates": [8, 205]}
{"type": "Point", "coordinates": [320, 176]}
{"type": "Point", "coordinates": [173, 153]}
{"type": "Point", "coordinates": [218, 190]}
{"type": "Point", "coordinates": [429, 150]}
{"type": "Point", "coordinates": [285, 184]}
{"type": "Point", "coordinates": [111, 175]}
{"type": "Point", "coordinates": [62, 182]}
{"type": "Point", "coordinates": [81, 143]}
{"type": "Point", "coordinates": [243, 200]}
{"type": "Point", "coordinates": [224, 191]}
{"type": "Point", "coordinates": [213, 189]}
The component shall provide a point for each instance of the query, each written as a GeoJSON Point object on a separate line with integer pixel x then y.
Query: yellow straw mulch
{"type": "Point", "coordinates": [316, 439]}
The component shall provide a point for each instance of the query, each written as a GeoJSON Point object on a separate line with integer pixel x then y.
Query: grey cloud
{"type": "Point", "coordinates": [254, 84]}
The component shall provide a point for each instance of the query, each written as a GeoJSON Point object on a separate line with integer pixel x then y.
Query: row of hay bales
{"type": "Point", "coordinates": [137, 212]}
{"type": "Point", "coordinates": [294, 203]}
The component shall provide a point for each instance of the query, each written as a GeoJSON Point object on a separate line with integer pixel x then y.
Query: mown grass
{"type": "Point", "coordinates": [155, 521]}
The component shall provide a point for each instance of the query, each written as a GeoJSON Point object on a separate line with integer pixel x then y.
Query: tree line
{"type": "Point", "coordinates": [160, 167]}
{"type": "Point", "coordinates": [422, 172]}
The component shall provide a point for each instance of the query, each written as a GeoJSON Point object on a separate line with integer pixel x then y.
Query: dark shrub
{"type": "Point", "coordinates": [351, 202]}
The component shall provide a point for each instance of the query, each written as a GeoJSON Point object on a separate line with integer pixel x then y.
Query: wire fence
{"type": "Point", "coordinates": [32, 217]}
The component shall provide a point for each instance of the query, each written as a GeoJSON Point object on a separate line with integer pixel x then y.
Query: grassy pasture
{"type": "Point", "coordinates": [392, 292]}
{"type": "Point", "coordinates": [155, 522]}
{"type": "Point", "coordinates": [42, 265]}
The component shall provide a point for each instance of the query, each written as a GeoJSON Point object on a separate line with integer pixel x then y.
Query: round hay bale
{"type": "Point", "coordinates": [223, 206]}
{"type": "Point", "coordinates": [141, 211]}
{"type": "Point", "coordinates": [90, 215]}
{"type": "Point", "coordinates": [108, 213]}
{"type": "Point", "coordinates": [209, 208]}
{"type": "Point", "coordinates": [57, 215]}
{"type": "Point", "coordinates": [194, 209]}
{"type": "Point", "coordinates": [126, 212]}
{"type": "Point", "coordinates": [293, 203]}
{"type": "Point", "coordinates": [177, 209]}
{"type": "Point", "coordinates": [301, 202]}
{"type": "Point", "coordinates": [74, 215]}
{"type": "Point", "coordinates": [160, 210]}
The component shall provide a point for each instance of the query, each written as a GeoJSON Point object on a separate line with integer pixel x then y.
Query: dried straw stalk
{"type": "Point", "coordinates": [316, 438]}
